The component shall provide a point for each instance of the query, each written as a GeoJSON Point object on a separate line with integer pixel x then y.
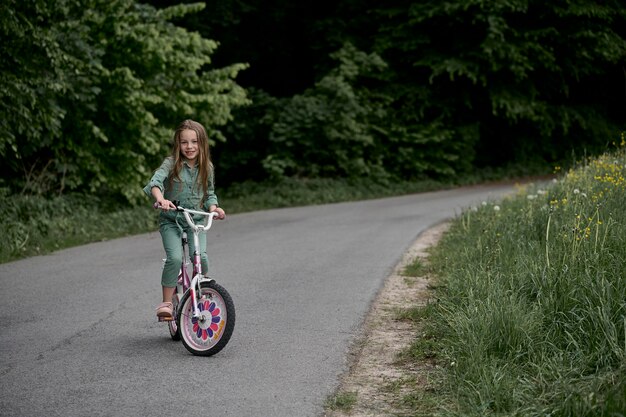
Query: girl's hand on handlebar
{"type": "Point", "coordinates": [166, 205]}
{"type": "Point", "coordinates": [221, 214]}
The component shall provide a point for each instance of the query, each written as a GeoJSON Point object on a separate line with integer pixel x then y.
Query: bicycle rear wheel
{"type": "Point", "coordinates": [209, 333]}
{"type": "Point", "coordinates": [173, 325]}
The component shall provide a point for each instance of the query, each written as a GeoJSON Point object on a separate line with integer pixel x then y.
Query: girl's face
{"type": "Point", "coordinates": [189, 145]}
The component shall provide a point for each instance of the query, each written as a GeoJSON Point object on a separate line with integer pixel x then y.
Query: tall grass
{"type": "Point", "coordinates": [532, 309]}
{"type": "Point", "coordinates": [39, 224]}
{"type": "Point", "coordinates": [35, 225]}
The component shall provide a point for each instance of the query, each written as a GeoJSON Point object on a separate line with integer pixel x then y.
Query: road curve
{"type": "Point", "coordinates": [79, 336]}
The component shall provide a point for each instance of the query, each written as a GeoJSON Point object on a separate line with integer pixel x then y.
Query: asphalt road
{"type": "Point", "coordinates": [78, 334]}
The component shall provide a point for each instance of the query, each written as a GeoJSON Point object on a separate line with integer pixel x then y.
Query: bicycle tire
{"type": "Point", "coordinates": [173, 325]}
{"type": "Point", "coordinates": [208, 335]}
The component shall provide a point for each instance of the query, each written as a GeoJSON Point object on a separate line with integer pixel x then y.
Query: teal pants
{"type": "Point", "coordinates": [171, 235]}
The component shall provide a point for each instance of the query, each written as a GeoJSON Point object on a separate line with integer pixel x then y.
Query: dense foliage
{"type": "Point", "coordinates": [510, 80]}
{"type": "Point", "coordinates": [91, 90]}
{"type": "Point", "coordinates": [335, 126]}
{"type": "Point", "coordinates": [465, 84]}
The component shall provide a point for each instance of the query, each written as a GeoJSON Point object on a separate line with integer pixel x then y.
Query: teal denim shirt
{"type": "Point", "coordinates": [186, 190]}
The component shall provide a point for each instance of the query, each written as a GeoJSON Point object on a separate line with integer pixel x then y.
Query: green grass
{"type": "Point", "coordinates": [411, 393]}
{"type": "Point", "coordinates": [33, 225]}
{"type": "Point", "coordinates": [343, 401]}
{"type": "Point", "coordinates": [251, 196]}
{"type": "Point", "coordinates": [415, 269]}
{"type": "Point", "coordinates": [36, 225]}
{"type": "Point", "coordinates": [531, 311]}
{"type": "Point", "coordinates": [412, 314]}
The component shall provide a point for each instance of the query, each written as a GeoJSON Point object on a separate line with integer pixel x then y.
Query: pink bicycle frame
{"type": "Point", "coordinates": [197, 265]}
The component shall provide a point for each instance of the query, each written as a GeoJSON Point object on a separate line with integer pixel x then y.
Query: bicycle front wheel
{"type": "Point", "coordinates": [210, 332]}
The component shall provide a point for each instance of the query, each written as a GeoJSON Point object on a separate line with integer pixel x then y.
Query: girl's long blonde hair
{"type": "Point", "coordinates": [204, 163]}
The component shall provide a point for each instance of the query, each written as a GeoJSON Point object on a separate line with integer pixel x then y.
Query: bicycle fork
{"type": "Point", "coordinates": [197, 276]}
{"type": "Point", "coordinates": [195, 287]}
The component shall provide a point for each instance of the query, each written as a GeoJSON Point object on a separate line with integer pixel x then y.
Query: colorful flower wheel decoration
{"type": "Point", "coordinates": [205, 329]}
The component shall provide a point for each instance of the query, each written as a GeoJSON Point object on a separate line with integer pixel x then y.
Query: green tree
{"type": "Point", "coordinates": [89, 99]}
{"type": "Point", "coordinates": [468, 83]}
{"type": "Point", "coordinates": [514, 80]}
{"type": "Point", "coordinates": [334, 128]}
{"type": "Point", "coordinates": [240, 157]}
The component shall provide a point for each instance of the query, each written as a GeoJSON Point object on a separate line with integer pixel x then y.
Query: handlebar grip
{"type": "Point", "coordinates": [156, 205]}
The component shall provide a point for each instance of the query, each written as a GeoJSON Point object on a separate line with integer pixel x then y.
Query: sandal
{"type": "Point", "coordinates": [165, 311]}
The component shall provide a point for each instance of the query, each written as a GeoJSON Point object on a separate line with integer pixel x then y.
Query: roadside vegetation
{"type": "Point", "coordinates": [38, 224]}
{"type": "Point", "coordinates": [328, 108]}
{"type": "Point", "coordinates": [530, 310]}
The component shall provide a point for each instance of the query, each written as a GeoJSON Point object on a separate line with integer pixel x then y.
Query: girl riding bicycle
{"type": "Point", "coordinates": [187, 176]}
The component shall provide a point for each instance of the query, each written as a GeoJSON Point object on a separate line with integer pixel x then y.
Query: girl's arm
{"type": "Point", "coordinates": [156, 184]}
{"type": "Point", "coordinates": [211, 203]}
{"type": "Point", "coordinates": [163, 203]}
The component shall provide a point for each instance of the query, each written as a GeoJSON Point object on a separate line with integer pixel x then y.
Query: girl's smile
{"type": "Point", "coordinates": [189, 145]}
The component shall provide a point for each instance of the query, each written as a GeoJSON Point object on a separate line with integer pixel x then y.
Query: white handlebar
{"type": "Point", "coordinates": [209, 218]}
{"type": "Point", "coordinates": [188, 212]}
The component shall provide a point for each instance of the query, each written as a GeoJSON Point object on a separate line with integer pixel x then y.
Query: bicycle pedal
{"type": "Point", "coordinates": [160, 319]}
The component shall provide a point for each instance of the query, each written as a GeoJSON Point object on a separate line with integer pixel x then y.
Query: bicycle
{"type": "Point", "coordinates": [204, 312]}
